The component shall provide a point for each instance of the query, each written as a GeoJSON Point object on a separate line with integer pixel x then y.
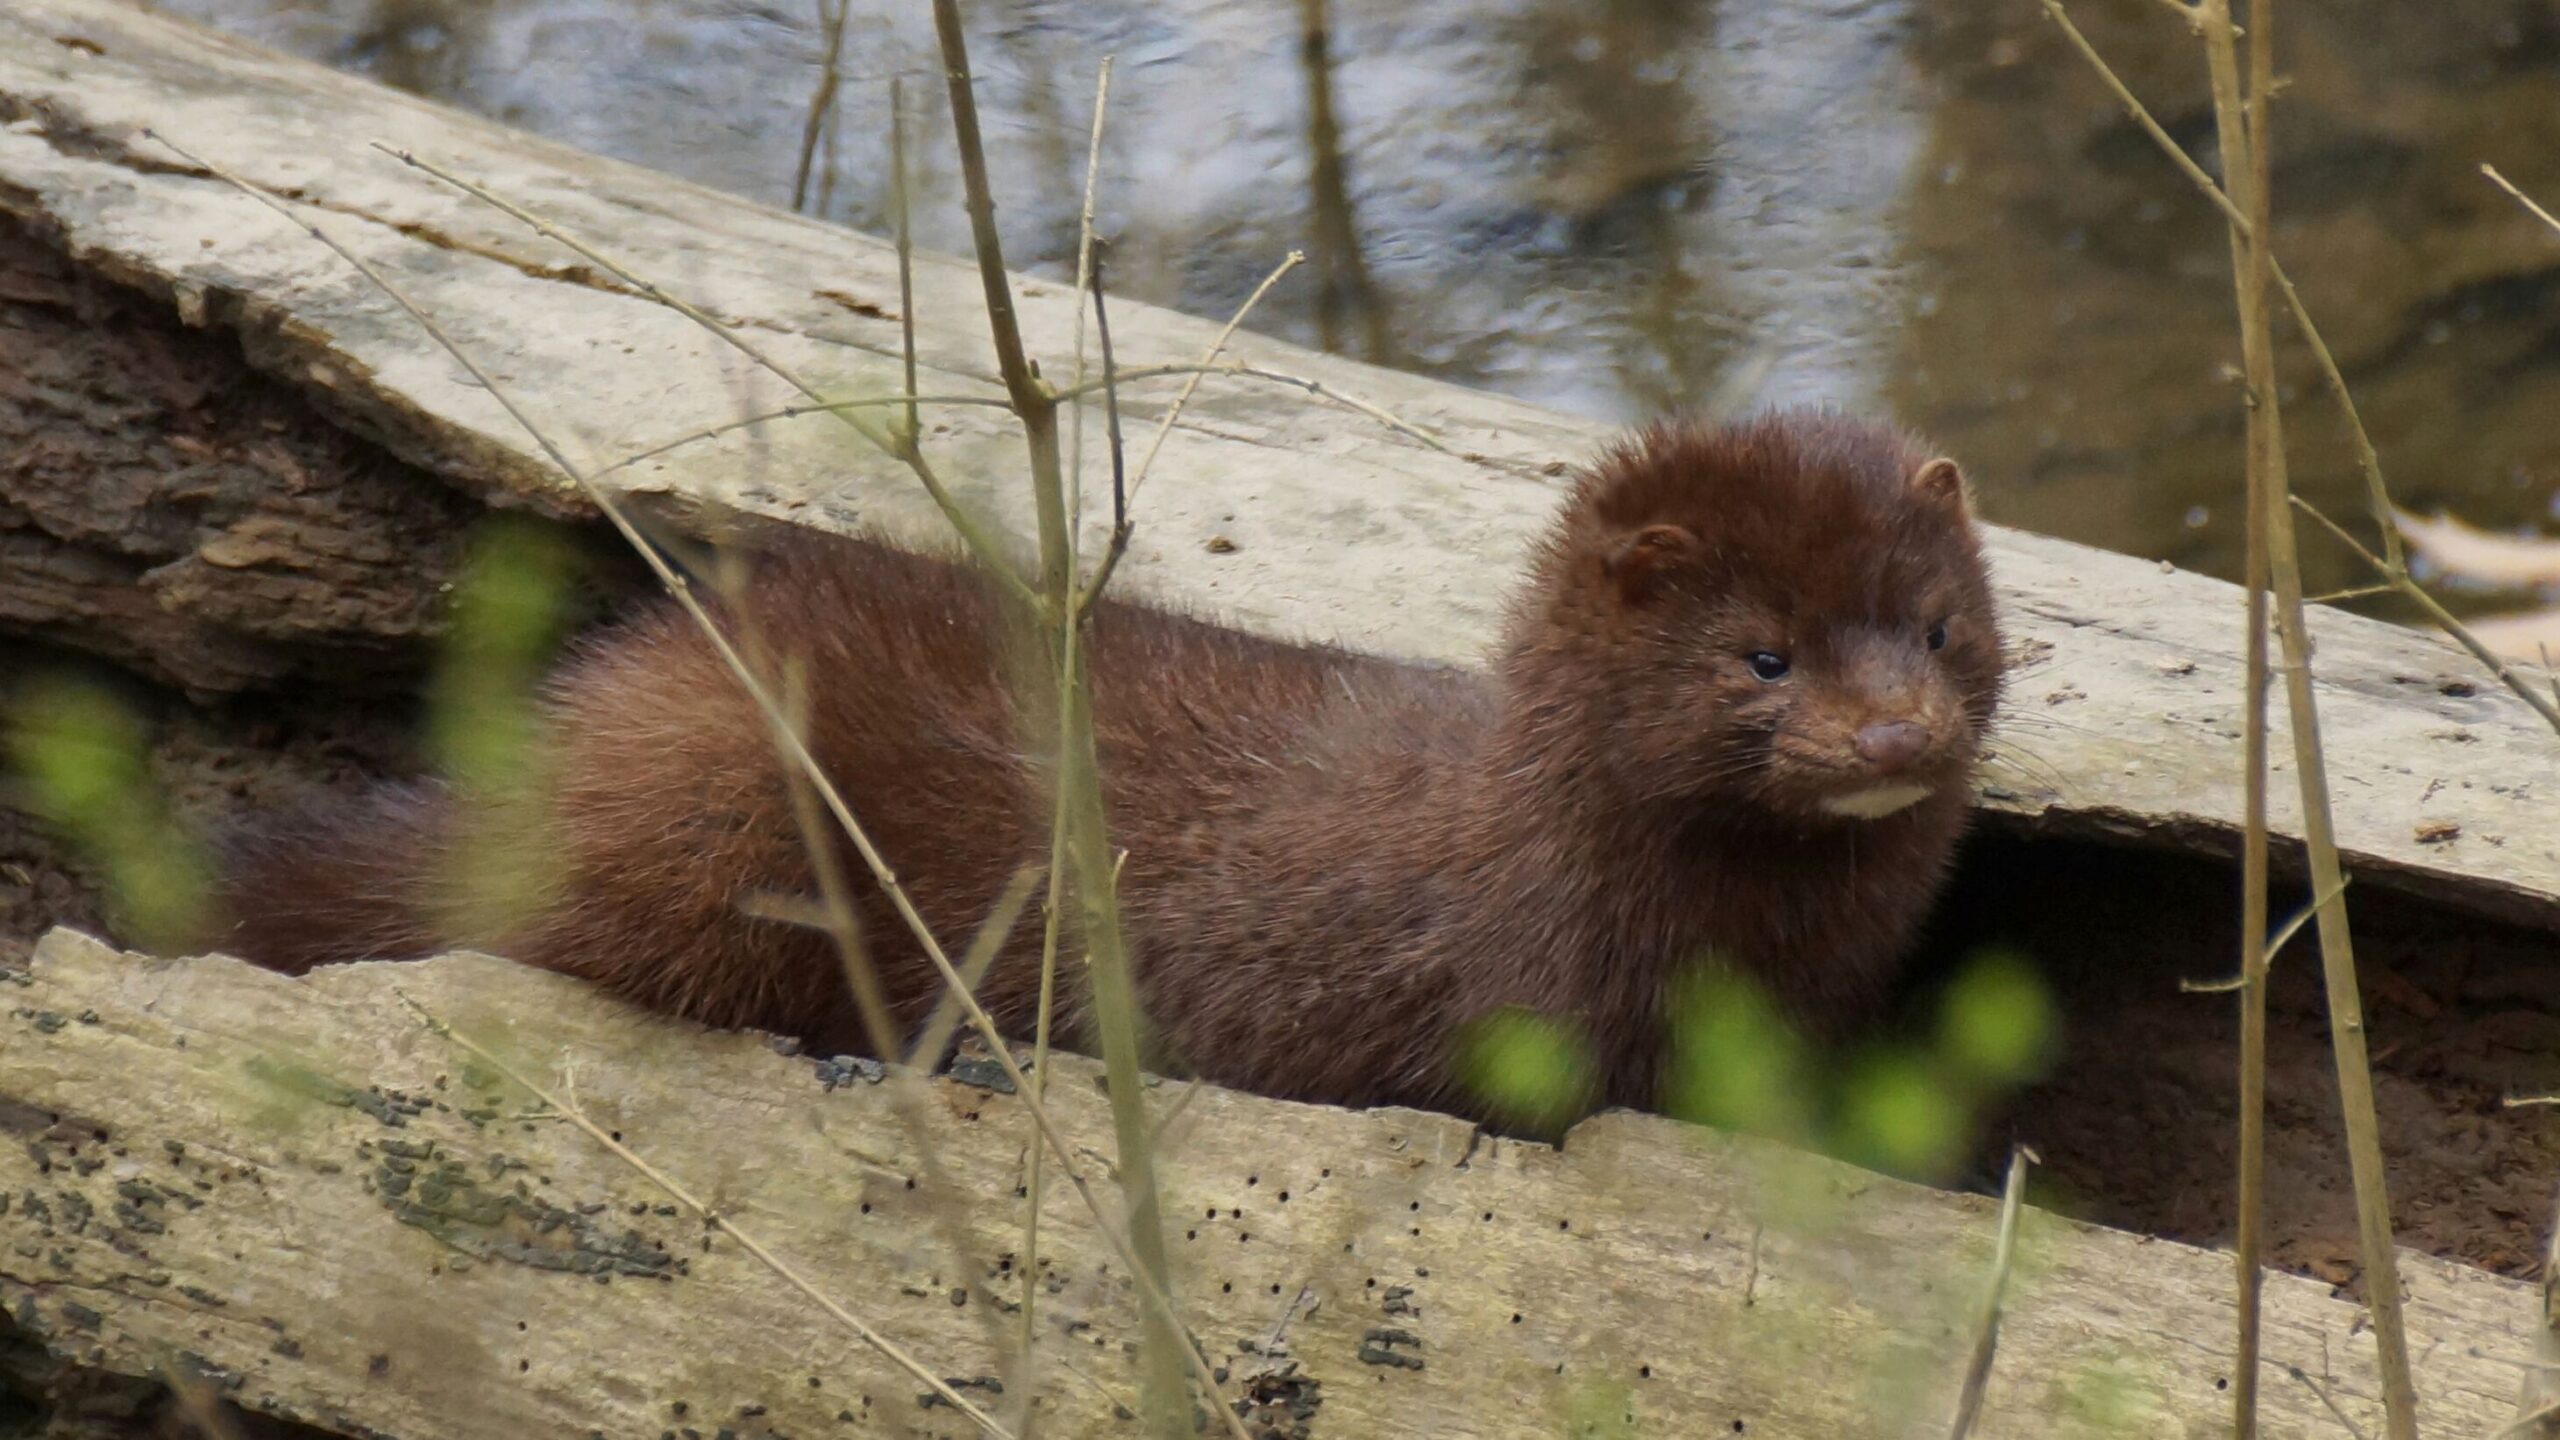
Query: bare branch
{"type": "Point", "coordinates": [1986, 1339]}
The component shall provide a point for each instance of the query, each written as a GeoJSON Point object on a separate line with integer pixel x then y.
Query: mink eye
{"type": "Point", "coordinates": [1766, 665]}
{"type": "Point", "coordinates": [1938, 636]}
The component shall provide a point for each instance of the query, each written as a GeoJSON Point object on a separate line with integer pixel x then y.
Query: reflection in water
{"type": "Point", "coordinates": [1823, 122]}
{"type": "Point", "coordinates": [419, 45]}
{"type": "Point", "coordinates": [2073, 335]}
{"type": "Point", "coordinates": [1629, 164]}
{"type": "Point", "coordinates": [1615, 206]}
{"type": "Point", "coordinates": [819, 136]}
{"type": "Point", "coordinates": [1344, 293]}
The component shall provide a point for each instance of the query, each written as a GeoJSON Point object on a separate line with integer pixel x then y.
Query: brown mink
{"type": "Point", "coordinates": [1734, 712]}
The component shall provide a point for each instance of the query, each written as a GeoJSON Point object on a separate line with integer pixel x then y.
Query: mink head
{"type": "Point", "coordinates": [1790, 615]}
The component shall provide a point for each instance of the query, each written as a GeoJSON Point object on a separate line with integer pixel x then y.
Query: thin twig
{"type": "Point", "coordinates": [2527, 201]}
{"type": "Point", "coordinates": [1053, 915]}
{"type": "Point", "coordinates": [2245, 152]}
{"type": "Point", "coordinates": [1121, 527]}
{"type": "Point", "coordinates": [898, 205]}
{"type": "Point", "coordinates": [822, 99]}
{"type": "Point", "coordinates": [2351, 592]}
{"type": "Point", "coordinates": [1035, 1183]}
{"type": "Point", "coordinates": [1173, 1112]}
{"type": "Point", "coordinates": [196, 1397]}
{"type": "Point", "coordinates": [930, 1045]}
{"type": "Point", "coordinates": [794, 412]}
{"type": "Point", "coordinates": [1166, 1348]}
{"type": "Point", "coordinates": [1084, 290]}
{"type": "Point", "coordinates": [2538, 1415]}
{"type": "Point", "coordinates": [1111, 412]}
{"type": "Point", "coordinates": [1986, 1339]}
{"type": "Point", "coordinates": [2476, 1353]}
{"type": "Point", "coordinates": [835, 898]}
{"type": "Point", "coordinates": [2401, 582]}
{"type": "Point", "coordinates": [1021, 381]}
{"type": "Point", "coordinates": [838, 921]}
{"type": "Point", "coordinates": [569, 1111]}
{"type": "Point", "coordinates": [2538, 1396]}
{"type": "Point", "coordinates": [980, 543]}
{"type": "Point", "coordinates": [1307, 383]}
{"type": "Point", "coordinates": [2274, 945]}
{"type": "Point", "coordinates": [2321, 1392]}
{"type": "Point", "coordinates": [681, 591]}
{"type": "Point", "coordinates": [1196, 372]}
{"type": "Point", "coordinates": [1164, 427]}
{"type": "Point", "coordinates": [984, 948]}
{"type": "Point", "coordinates": [2193, 15]}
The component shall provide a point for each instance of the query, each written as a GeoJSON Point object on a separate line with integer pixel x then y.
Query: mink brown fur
{"type": "Point", "coordinates": [1733, 713]}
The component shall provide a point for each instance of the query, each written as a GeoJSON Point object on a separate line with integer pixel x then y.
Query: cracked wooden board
{"type": "Point", "coordinates": [1337, 528]}
{"type": "Point", "coordinates": [297, 1184]}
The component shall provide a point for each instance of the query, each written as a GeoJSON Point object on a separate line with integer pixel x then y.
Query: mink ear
{"type": "Point", "coordinates": [1941, 483]}
{"type": "Point", "coordinates": [1639, 563]}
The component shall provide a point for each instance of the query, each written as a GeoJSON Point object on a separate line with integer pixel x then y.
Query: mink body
{"type": "Point", "coordinates": [1733, 713]}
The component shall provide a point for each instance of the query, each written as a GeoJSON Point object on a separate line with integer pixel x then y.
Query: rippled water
{"type": "Point", "coordinates": [1614, 206]}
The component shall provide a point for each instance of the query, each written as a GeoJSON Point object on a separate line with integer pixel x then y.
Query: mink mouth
{"type": "Point", "coordinates": [1877, 801]}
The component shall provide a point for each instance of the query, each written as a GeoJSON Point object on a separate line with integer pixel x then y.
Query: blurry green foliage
{"type": "Point", "coordinates": [510, 608]}
{"type": "Point", "coordinates": [1735, 1063]}
{"type": "Point", "coordinates": [81, 756]}
{"type": "Point", "coordinates": [1997, 1022]}
{"type": "Point", "coordinates": [1533, 1072]}
{"type": "Point", "coordinates": [485, 727]}
{"type": "Point", "coordinates": [1906, 1108]}
{"type": "Point", "coordinates": [1900, 1113]}
{"type": "Point", "coordinates": [83, 759]}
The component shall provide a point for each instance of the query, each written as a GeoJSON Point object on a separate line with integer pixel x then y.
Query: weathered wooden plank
{"type": "Point", "coordinates": [1338, 528]}
{"type": "Point", "coordinates": [298, 1184]}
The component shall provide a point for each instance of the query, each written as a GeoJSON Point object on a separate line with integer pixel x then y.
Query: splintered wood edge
{"type": "Point", "coordinates": [295, 1188]}
{"type": "Point", "coordinates": [2124, 718]}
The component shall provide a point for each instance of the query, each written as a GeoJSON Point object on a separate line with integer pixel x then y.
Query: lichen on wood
{"type": "Point", "coordinates": [351, 1222]}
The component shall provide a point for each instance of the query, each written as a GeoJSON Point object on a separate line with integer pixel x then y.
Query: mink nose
{"type": "Point", "coordinates": [1891, 746]}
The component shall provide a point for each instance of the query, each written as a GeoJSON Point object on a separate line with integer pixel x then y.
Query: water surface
{"type": "Point", "coordinates": [1923, 207]}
